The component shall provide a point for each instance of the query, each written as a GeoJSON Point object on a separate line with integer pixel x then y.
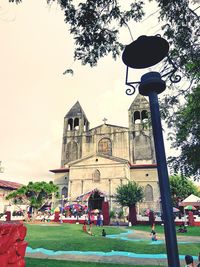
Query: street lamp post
{"type": "Point", "coordinates": [142, 53]}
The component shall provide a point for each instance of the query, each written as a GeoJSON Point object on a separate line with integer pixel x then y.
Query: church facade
{"type": "Point", "coordinates": [95, 161]}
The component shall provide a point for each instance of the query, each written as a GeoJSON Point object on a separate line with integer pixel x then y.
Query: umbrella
{"type": "Point", "coordinates": [175, 209]}
{"type": "Point", "coordinates": [75, 206]}
{"type": "Point", "coordinates": [190, 208]}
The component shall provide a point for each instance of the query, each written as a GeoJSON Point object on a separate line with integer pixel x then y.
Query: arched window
{"type": "Point", "coordinates": [72, 151]}
{"type": "Point", "coordinates": [136, 117]}
{"type": "Point", "coordinates": [85, 125]}
{"type": "Point", "coordinates": [144, 116]}
{"type": "Point", "coordinates": [105, 146]}
{"type": "Point", "coordinates": [70, 125]}
{"type": "Point", "coordinates": [96, 176]}
{"type": "Point", "coordinates": [148, 193]}
{"type": "Point", "coordinates": [76, 123]}
{"type": "Point", "coordinates": [64, 191]}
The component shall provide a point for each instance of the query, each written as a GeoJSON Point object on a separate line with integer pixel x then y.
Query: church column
{"type": "Point", "coordinates": [70, 190]}
{"type": "Point", "coordinates": [110, 192]}
{"type": "Point", "coordinates": [82, 185]}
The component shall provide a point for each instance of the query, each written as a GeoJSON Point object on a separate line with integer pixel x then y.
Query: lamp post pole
{"type": "Point", "coordinates": [147, 88]}
{"type": "Point", "coordinates": [170, 232]}
{"type": "Point", "coordinates": [146, 52]}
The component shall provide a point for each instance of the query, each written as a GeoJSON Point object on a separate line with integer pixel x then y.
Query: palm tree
{"type": "Point", "coordinates": [128, 195]}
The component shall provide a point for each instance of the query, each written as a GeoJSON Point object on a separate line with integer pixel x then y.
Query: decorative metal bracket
{"type": "Point", "coordinates": [167, 72]}
{"type": "Point", "coordinates": [130, 91]}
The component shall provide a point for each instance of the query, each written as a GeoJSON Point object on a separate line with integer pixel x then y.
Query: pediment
{"type": "Point", "coordinates": [108, 128]}
{"type": "Point", "coordinates": [97, 159]}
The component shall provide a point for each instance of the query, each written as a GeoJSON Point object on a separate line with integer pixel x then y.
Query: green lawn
{"type": "Point", "coordinates": [71, 237]}
{"type": "Point", "coordinates": [55, 263]}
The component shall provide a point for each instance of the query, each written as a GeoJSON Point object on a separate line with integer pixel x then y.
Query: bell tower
{"type": "Point", "coordinates": [140, 132]}
{"type": "Point", "coordinates": [75, 125]}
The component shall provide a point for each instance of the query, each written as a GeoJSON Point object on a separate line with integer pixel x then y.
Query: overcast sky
{"type": "Point", "coordinates": [36, 49]}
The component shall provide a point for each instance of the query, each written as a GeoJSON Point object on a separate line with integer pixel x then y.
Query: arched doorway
{"type": "Point", "coordinates": [95, 200]}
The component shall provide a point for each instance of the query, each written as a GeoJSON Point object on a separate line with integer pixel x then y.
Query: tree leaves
{"type": "Point", "coordinates": [187, 136]}
{"type": "Point", "coordinates": [34, 194]}
{"type": "Point", "coordinates": [129, 194]}
{"type": "Point", "coordinates": [181, 188]}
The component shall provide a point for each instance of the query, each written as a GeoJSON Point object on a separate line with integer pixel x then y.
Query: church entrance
{"type": "Point", "coordinates": [95, 200]}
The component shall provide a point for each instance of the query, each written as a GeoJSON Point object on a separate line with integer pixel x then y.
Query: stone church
{"type": "Point", "coordinates": [95, 161]}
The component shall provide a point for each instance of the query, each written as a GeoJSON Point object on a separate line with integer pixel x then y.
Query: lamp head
{"type": "Point", "coordinates": [145, 52]}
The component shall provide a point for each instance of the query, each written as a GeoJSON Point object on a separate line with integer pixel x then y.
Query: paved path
{"type": "Point", "coordinates": [118, 259]}
{"type": "Point", "coordinates": [146, 236]}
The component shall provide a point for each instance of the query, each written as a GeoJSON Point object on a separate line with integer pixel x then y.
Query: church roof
{"type": "Point", "coordinates": [116, 159]}
{"type": "Point", "coordinates": [76, 110]}
{"type": "Point", "coordinates": [60, 170]}
{"type": "Point", "coordinates": [109, 125]}
{"type": "Point", "coordinates": [143, 166]}
{"type": "Point", "coordinates": [139, 100]}
{"type": "Point", "coordinates": [9, 185]}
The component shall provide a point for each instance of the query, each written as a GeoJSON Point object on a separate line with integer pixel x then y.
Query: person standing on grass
{"type": "Point", "coordinates": [92, 218]}
{"type": "Point", "coordinates": [100, 219]}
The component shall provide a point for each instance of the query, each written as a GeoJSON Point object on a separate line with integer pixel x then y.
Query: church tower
{"type": "Point", "coordinates": [75, 125]}
{"type": "Point", "coordinates": [140, 135]}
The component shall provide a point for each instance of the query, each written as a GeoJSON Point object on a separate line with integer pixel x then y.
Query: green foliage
{"type": "Point", "coordinates": [187, 137]}
{"type": "Point", "coordinates": [34, 194]}
{"type": "Point", "coordinates": [182, 30]}
{"type": "Point", "coordinates": [181, 187]}
{"type": "Point", "coordinates": [95, 27]}
{"type": "Point", "coordinates": [129, 194]}
{"type": "Point", "coordinates": [121, 214]}
{"type": "Point", "coordinates": [112, 214]}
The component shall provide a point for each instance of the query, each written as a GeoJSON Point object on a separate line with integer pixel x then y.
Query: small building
{"type": "Point", "coordinates": [98, 160]}
{"type": "Point", "coordinates": [6, 187]}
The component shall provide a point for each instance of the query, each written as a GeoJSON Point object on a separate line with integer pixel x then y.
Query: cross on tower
{"type": "Point", "coordinates": [104, 120]}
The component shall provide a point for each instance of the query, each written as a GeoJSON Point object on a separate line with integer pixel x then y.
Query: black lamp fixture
{"type": "Point", "coordinates": [146, 52]}
{"type": "Point", "coordinates": [143, 53]}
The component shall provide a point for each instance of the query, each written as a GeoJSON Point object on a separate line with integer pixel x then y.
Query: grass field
{"type": "Point", "coordinates": [70, 237]}
{"type": "Point", "coordinates": [55, 263]}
